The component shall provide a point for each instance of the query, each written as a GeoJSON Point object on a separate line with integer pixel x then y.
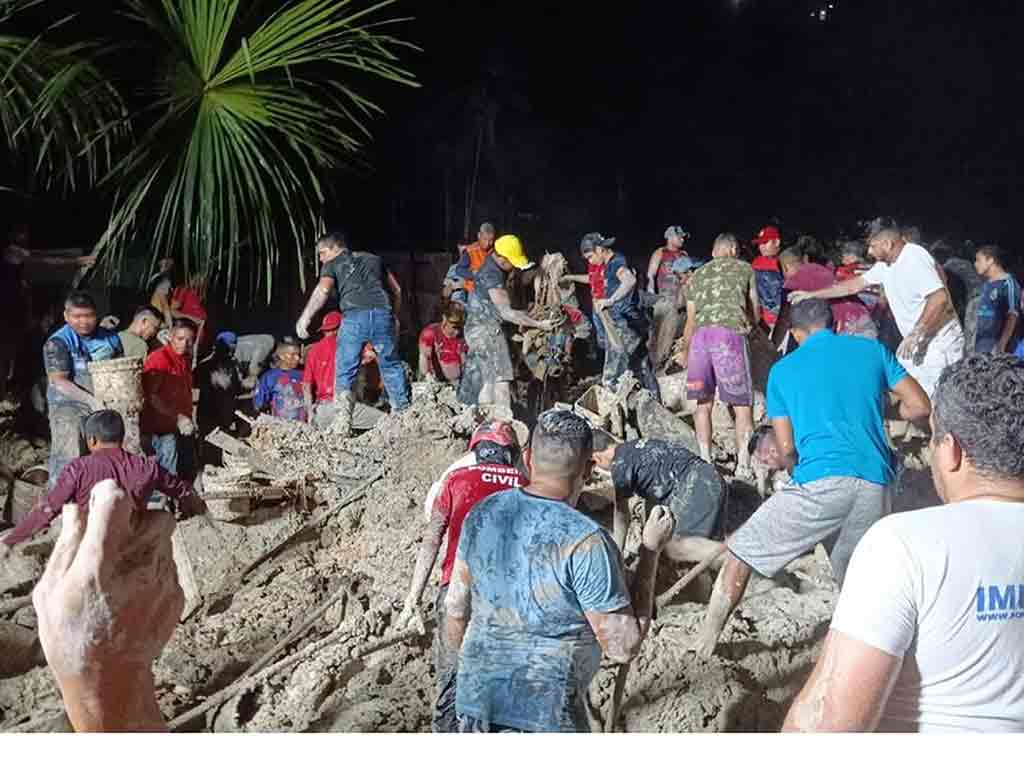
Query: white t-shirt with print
{"type": "Point", "coordinates": [943, 588]}
{"type": "Point", "coordinates": [908, 282]}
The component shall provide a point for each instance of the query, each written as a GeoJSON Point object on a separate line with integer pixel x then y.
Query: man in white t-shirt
{"type": "Point", "coordinates": [920, 303]}
{"type": "Point", "coordinates": [928, 633]}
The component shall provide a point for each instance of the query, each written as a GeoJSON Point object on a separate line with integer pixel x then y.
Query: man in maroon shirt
{"type": "Point", "coordinates": [167, 381]}
{"type": "Point", "coordinates": [852, 318]}
{"type": "Point", "coordinates": [497, 449]}
{"type": "Point", "coordinates": [139, 476]}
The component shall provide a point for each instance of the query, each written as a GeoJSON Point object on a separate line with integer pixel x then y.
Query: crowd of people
{"type": "Point", "coordinates": [928, 628]}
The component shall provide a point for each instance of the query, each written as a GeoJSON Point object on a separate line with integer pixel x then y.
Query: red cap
{"type": "Point", "coordinates": [499, 432]}
{"type": "Point", "coordinates": [766, 235]}
{"type": "Point", "coordinates": [331, 321]}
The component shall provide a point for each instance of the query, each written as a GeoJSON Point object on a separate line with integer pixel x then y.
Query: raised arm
{"type": "Point", "coordinates": [840, 290]}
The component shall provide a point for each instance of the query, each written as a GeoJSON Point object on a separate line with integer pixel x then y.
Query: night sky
{"type": "Point", "coordinates": [727, 115]}
{"type": "Point", "coordinates": [627, 117]}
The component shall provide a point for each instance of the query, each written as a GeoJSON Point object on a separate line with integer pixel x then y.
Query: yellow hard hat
{"type": "Point", "coordinates": [510, 247]}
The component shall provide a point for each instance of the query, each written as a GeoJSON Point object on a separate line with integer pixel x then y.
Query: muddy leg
{"type": "Point", "coordinates": [729, 588]}
{"type": "Point", "coordinates": [694, 549]}
{"type": "Point", "coordinates": [744, 426]}
{"type": "Point", "coordinates": [702, 421]}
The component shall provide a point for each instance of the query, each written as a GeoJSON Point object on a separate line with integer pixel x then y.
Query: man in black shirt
{"type": "Point", "coordinates": [489, 365]}
{"type": "Point", "coordinates": [664, 473]}
{"type": "Point", "coordinates": [369, 316]}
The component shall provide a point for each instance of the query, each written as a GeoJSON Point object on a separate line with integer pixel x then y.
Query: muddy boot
{"type": "Point", "coordinates": [344, 404]}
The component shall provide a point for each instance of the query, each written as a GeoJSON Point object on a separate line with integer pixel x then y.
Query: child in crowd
{"type": "Point", "coordinates": [280, 388]}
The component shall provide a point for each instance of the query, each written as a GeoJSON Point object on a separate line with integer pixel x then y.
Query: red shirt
{"type": "Point", "coordinates": [319, 370]}
{"type": "Point", "coordinates": [462, 489]}
{"type": "Point", "coordinates": [139, 476]}
{"type": "Point", "coordinates": [445, 354]}
{"type": "Point", "coordinates": [191, 305]}
{"type": "Point", "coordinates": [814, 277]}
{"type": "Point", "coordinates": [169, 375]}
{"type": "Point", "coordinates": [596, 274]}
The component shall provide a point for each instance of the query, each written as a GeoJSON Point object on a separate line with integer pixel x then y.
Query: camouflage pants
{"type": "Point", "coordinates": [65, 438]}
{"type": "Point", "coordinates": [631, 356]}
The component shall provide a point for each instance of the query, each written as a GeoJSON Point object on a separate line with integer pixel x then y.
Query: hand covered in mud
{"type": "Point", "coordinates": [107, 604]}
{"type": "Point", "coordinates": [185, 425]}
{"type": "Point", "coordinates": [302, 328]}
{"type": "Point", "coordinates": [600, 304]}
{"type": "Point", "coordinates": [410, 618]}
{"type": "Point", "coordinates": [797, 296]}
{"type": "Point", "coordinates": [5, 551]}
{"type": "Point", "coordinates": [658, 528]}
{"type": "Point", "coordinates": [912, 348]}
{"type": "Point", "coordinates": [549, 325]}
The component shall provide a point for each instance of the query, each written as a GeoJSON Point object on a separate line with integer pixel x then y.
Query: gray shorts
{"type": "Point", "coordinates": [835, 510]}
{"type": "Point", "coordinates": [489, 350]}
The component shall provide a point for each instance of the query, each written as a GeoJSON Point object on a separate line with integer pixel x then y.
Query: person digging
{"type": "Point", "coordinates": [496, 449]}
{"type": "Point", "coordinates": [665, 473]}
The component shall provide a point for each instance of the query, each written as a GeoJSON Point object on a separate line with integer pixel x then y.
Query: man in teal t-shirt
{"type": "Point", "coordinates": [826, 401]}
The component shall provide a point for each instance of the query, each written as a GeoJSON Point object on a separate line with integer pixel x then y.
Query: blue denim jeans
{"type": "Point", "coordinates": [376, 326]}
{"type": "Point", "coordinates": [165, 448]}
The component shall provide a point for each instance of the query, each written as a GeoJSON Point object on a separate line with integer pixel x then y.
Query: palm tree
{"type": "Point", "coordinates": [244, 113]}
{"type": "Point", "coordinates": [57, 111]}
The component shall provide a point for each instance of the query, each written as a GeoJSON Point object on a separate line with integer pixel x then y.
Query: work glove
{"type": "Point", "coordinates": [186, 426]}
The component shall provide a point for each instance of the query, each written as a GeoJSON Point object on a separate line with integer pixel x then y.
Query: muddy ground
{"type": "Point", "coordinates": [366, 550]}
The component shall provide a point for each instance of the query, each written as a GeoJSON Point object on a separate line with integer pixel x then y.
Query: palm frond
{"type": "Point", "coordinates": [56, 106]}
{"type": "Point", "coordinates": [250, 117]}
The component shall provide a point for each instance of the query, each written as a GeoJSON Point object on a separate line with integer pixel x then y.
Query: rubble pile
{"type": "Point", "coordinates": [316, 574]}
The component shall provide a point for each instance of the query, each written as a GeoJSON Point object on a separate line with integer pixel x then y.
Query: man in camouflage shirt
{"type": "Point", "coordinates": [721, 309]}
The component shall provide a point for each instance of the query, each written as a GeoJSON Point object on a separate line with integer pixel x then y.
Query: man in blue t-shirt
{"type": "Point", "coordinates": [69, 393]}
{"type": "Point", "coordinates": [625, 322]}
{"type": "Point", "coordinates": [538, 591]}
{"type": "Point", "coordinates": [826, 401]}
{"type": "Point", "coordinates": [998, 305]}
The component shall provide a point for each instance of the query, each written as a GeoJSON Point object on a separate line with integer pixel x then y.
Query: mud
{"type": "Point", "coordinates": [370, 545]}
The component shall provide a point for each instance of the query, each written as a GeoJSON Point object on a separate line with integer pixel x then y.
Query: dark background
{"type": "Point", "coordinates": [627, 117]}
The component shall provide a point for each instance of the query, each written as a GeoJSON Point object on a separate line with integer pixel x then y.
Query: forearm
{"type": "Point", "coordinates": [42, 515]}
{"type": "Point", "coordinates": [316, 301]}
{"type": "Point", "coordinates": [121, 700]}
{"type": "Point", "coordinates": [517, 317]}
{"type": "Point", "coordinates": [426, 558]}
{"type": "Point", "coordinates": [307, 400]}
{"type": "Point", "coordinates": [1008, 328]}
{"type": "Point", "coordinates": [934, 316]}
{"type": "Point", "coordinates": [643, 590]}
{"type": "Point", "coordinates": [620, 521]}
{"type": "Point", "coordinates": [425, 365]}
{"type": "Point", "coordinates": [74, 392]}
{"type": "Point", "coordinates": [455, 629]}
{"type": "Point", "coordinates": [622, 291]}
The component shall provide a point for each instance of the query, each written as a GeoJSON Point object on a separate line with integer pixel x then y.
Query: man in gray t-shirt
{"type": "Point", "coordinates": [370, 317]}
